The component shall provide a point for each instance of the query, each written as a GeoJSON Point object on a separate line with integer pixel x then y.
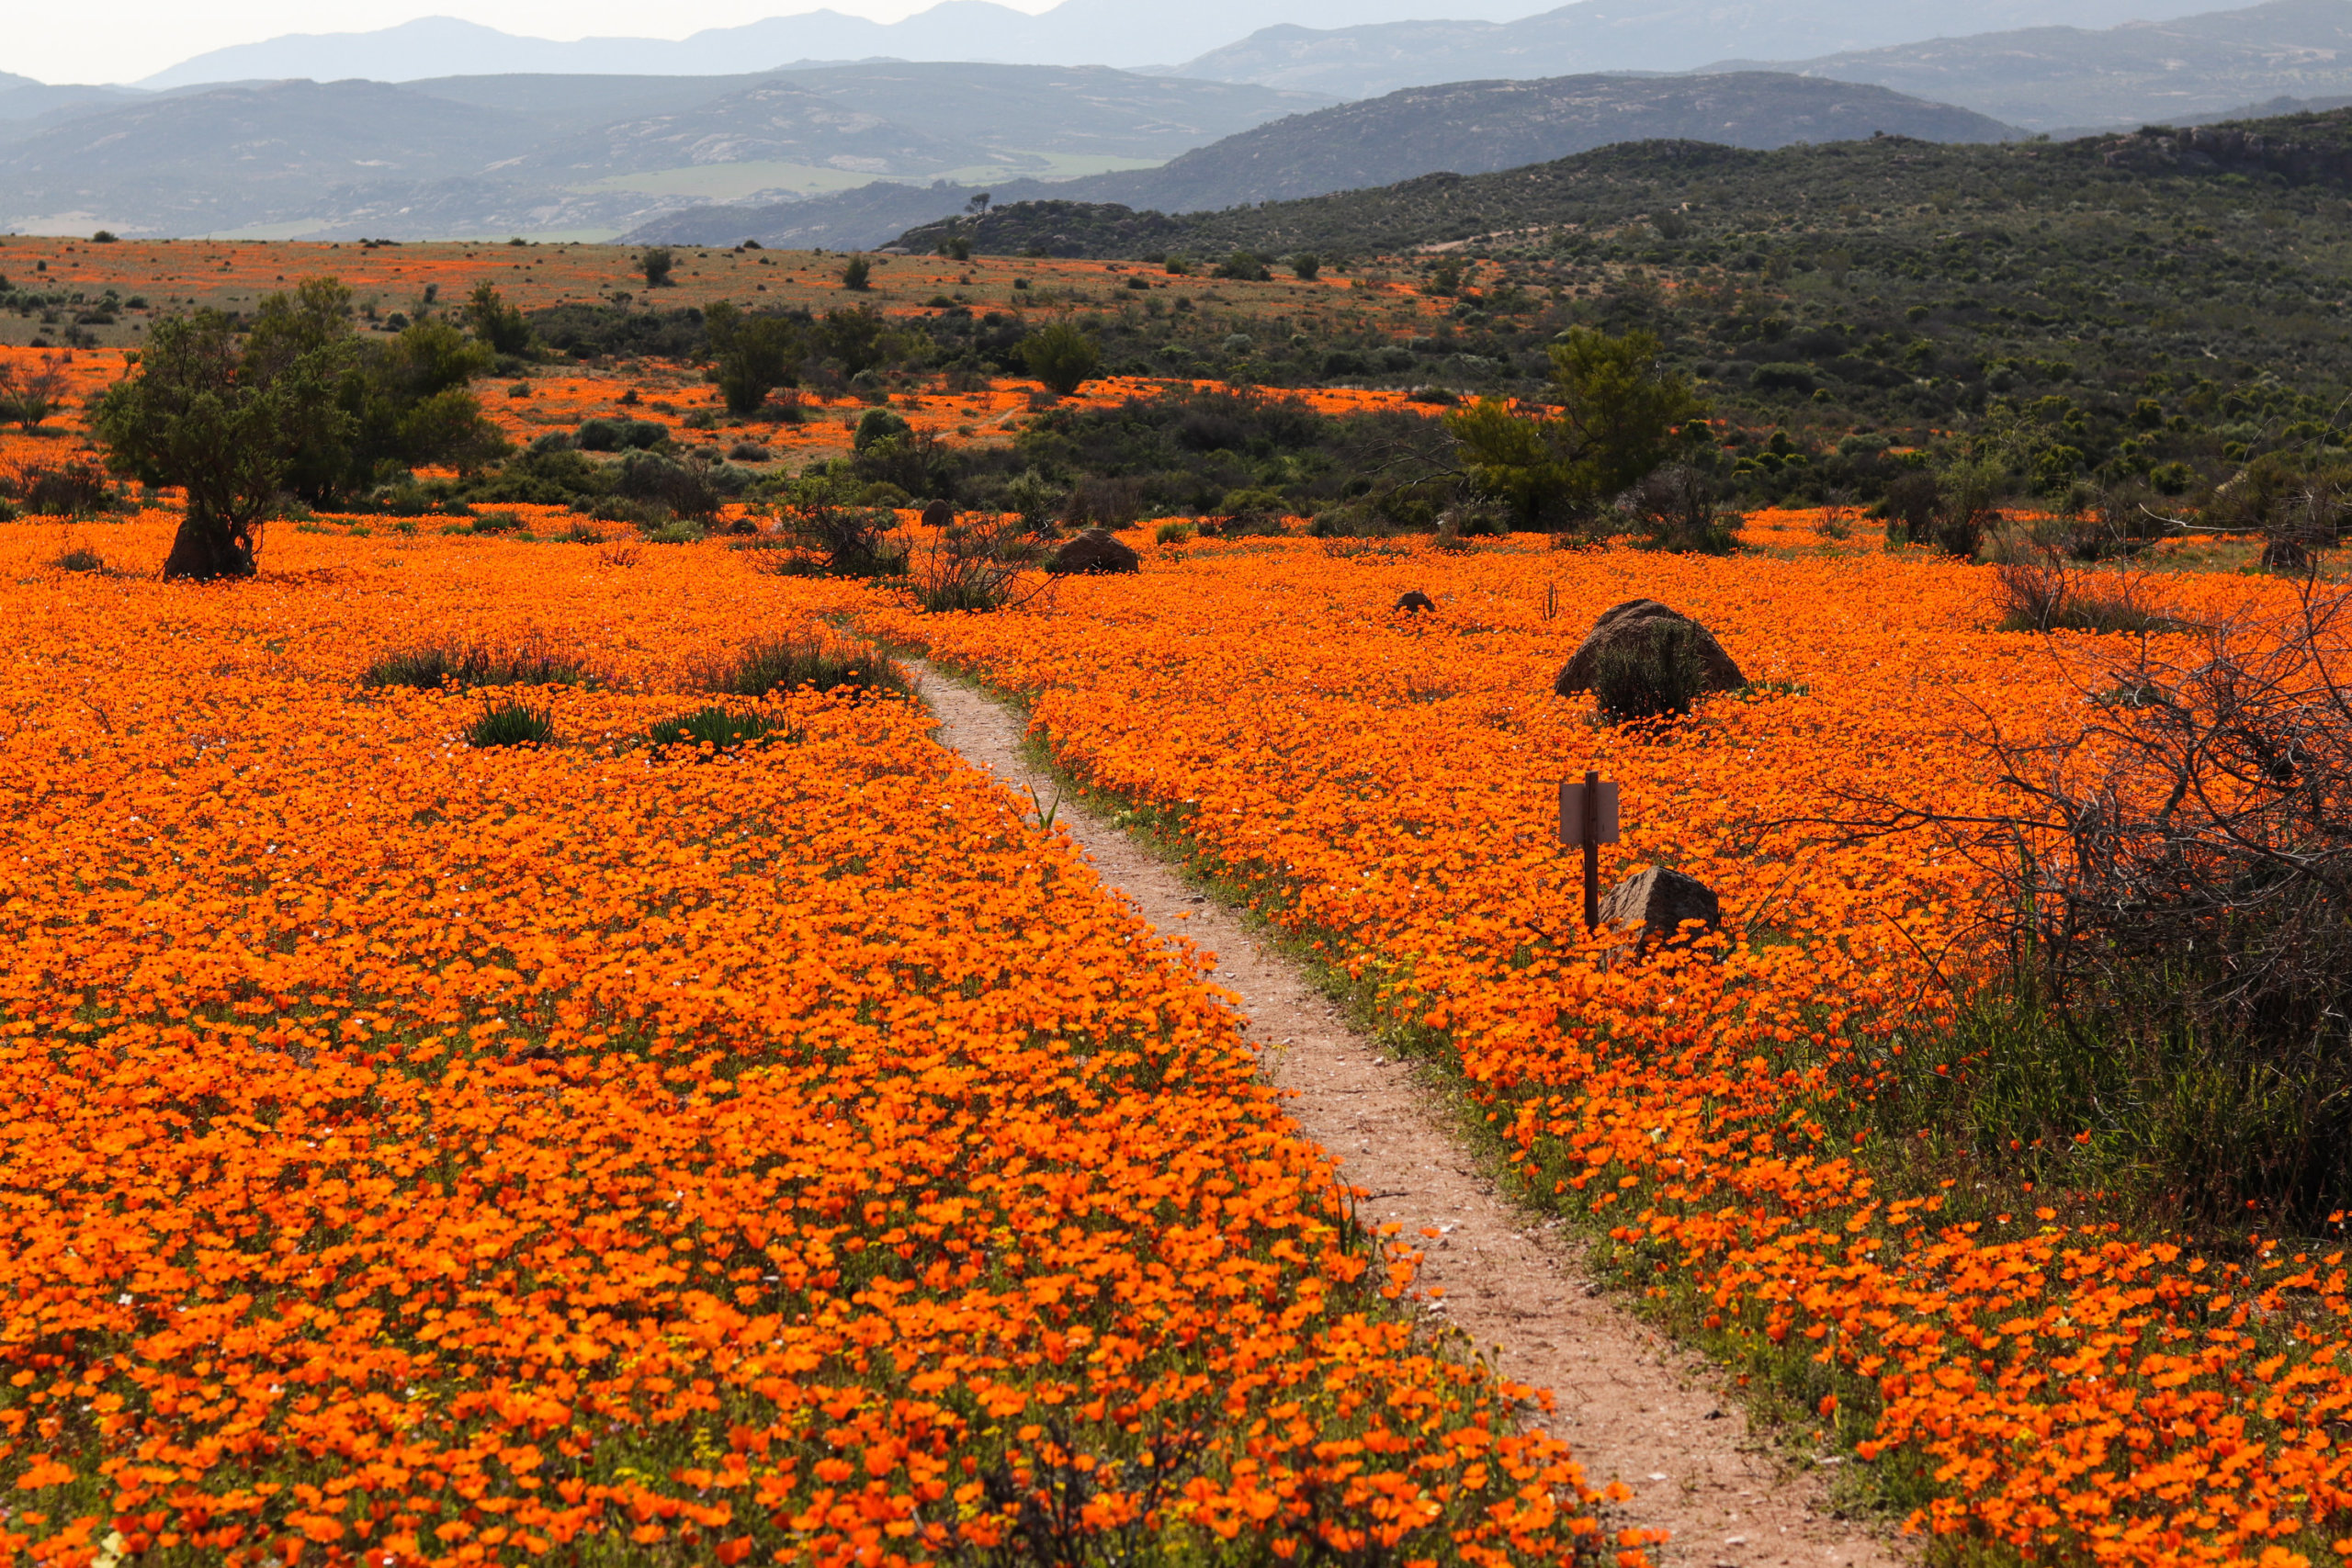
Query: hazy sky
{"type": "Point", "coordinates": [122, 40]}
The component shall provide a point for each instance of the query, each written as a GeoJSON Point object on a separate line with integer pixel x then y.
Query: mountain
{"type": "Point", "coordinates": [491, 156]}
{"type": "Point", "coordinates": [1077, 32]}
{"type": "Point", "coordinates": [1475, 127]}
{"type": "Point", "coordinates": [1076, 110]}
{"type": "Point", "coordinates": [1465, 128]}
{"type": "Point", "coordinates": [1373, 56]}
{"type": "Point", "coordinates": [239, 156]}
{"type": "Point", "coordinates": [2190, 67]}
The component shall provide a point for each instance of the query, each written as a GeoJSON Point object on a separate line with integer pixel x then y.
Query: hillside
{"type": "Point", "coordinates": [1465, 128]}
{"type": "Point", "coordinates": [2049, 76]}
{"type": "Point", "coordinates": [580, 156]}
{"type": "Point", "coordinates": [1373, 56]}
{"type": "Point", "coordinates": [1889, 188]}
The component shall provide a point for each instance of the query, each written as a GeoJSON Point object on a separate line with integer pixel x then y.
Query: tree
{"type": "Point", "coordinates": [1062, 357]}
{"type": "Point", "coordinates": [203, 410]}
{"type": "Point", "coordinates": [655, 265]}
{"type": "Point", "coordinates": [1617, 416]}
{"type": "Point", "coordinates": [297, 405]}
{"type": "Point", "coordinates": [496, 323]}
{"type": "Point", "coordinates": [1307, 266]}
{"type": "Point", "coordinates": [858, 276]}
{"type": "Point", "coordinates": [754, 354]}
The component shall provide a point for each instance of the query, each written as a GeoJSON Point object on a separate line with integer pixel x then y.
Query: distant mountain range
{"type": "Point", "coordinates": [1077, 32]}
{"type": "Point", "coordinates": [577, 156]}
{"type": "Point", "coordinates": [1372, 56]}
{"type": "Point", "coordinates": [1465, 128]}
{"type": "Point", "coordinates": [2191, 67]}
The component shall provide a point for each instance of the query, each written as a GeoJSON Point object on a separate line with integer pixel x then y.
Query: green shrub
{"type": "Point", "coordinates": [79, 557]}
{"type": "Point", "coordinates": [512, 724]}
{"type": "Point", "coordinates": [431, 667]}
{"type": "Point", "coordinates": [721, 729]}
{"type": "Point", "coordinates": [787, 664]}
{"type": "Point", "coordinates": [1172, 533]}
{"type": "Point", "coordinates": [1062, 357]}
{"type": "Point", "coordinates": [677, 531]}
{"type": "Point", "coordinates": [1653, 672]}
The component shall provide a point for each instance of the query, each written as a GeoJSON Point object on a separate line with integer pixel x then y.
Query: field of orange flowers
{"type": "Point", "coordinates": [422, 1154]}
{"type": "Point", "coordinates": [1382, 787]}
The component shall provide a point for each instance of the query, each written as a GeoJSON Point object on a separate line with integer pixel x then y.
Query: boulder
{"type": "Point", "coordinates": [1659, 900]}
{"type": "Point", "coordinates": [1625, 622]}
{"type": "Point", "coordinates": [1093, 551]}
{"type": "Point", "coordinates": [939, 514]}
{"type": "Point", "coordinates": [1415, 602]}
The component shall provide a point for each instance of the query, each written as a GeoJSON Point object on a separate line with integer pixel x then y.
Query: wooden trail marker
{"type": "Point", "coordinates": [1588, 821]}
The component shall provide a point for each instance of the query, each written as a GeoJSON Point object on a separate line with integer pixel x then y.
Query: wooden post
{"type": "Point", "coordinates": [1591, 849]}
{"type": "Point", "coordinates": [1588, 819]}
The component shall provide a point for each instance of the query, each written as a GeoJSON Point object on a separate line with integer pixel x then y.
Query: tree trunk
{"type": "Point", "coordinates": [205, 550]}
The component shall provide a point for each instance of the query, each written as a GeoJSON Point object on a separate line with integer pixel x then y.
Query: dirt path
{"type": "Point", "coordinates": [1634, 1408]}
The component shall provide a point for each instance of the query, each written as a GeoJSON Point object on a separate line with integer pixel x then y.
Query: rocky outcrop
{"type": "Point", "coordinates": [1627, 628]}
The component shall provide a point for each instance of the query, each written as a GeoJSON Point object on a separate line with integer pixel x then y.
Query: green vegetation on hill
{"type": "Point", "coordinates": [2156, 308]}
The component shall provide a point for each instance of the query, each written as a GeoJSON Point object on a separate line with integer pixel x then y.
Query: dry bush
{"type": "Point", "coordinates": [2173, 891]}
{"type": "Point", "coordinates": [2041, 590]}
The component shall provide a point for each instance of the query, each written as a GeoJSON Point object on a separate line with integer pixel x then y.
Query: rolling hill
{"type": "Point", "coordinates": [1465, 128]}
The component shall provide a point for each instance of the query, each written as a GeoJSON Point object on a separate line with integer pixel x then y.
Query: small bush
{"type": "Point", "coordinates": [1654, 672]}
{"type": "Point", "coordinates": [512, 724]}
{"type": "Point", "coordinates": [1173, 533]}
{"type": "Point", "coordinates": [435, 666]}
{"type": "Point", "coordinates": [620, 434]}
{"type": "Point", "coordinates": [72, 489]}
{"type": "Point", "coordinates": [676, 531]}
{"type": "Point", "coordinates": [787, 664]}
{"type": "Point", "coordinates": [79, 557]}
{"type": "Point", "coordinates": [721, 729]}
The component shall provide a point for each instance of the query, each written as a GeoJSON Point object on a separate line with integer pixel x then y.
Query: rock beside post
{"type": "Point", "coordinates": [1627, 625]}
{"type": "Point", "coordinates": [1660, 901]}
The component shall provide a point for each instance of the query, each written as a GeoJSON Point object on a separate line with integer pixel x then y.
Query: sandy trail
{"type": "Point", "coordinates": [1634, 1407]}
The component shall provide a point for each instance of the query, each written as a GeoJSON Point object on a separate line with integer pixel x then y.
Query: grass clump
{"type": "Point", "coordinates": [721, 729]}
{"type": "Point", "coordinates": [787, 664]}
{"type": "Point", "coordinates": [432, 667]}
{"type": "Point", "coordinates": [79, 557]}
{"type": "Point", "coordinates": [512, 724]}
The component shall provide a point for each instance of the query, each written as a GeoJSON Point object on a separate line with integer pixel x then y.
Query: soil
{"type": "Point", "coordinates": [1635, 1408]}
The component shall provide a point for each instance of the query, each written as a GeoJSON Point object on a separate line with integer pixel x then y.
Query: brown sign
{"type": "Point", "coordinates": [1574, 817]}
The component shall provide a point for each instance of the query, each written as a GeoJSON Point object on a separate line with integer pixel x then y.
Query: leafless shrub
{"type": "Point", "coordinates": [977, 563]}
